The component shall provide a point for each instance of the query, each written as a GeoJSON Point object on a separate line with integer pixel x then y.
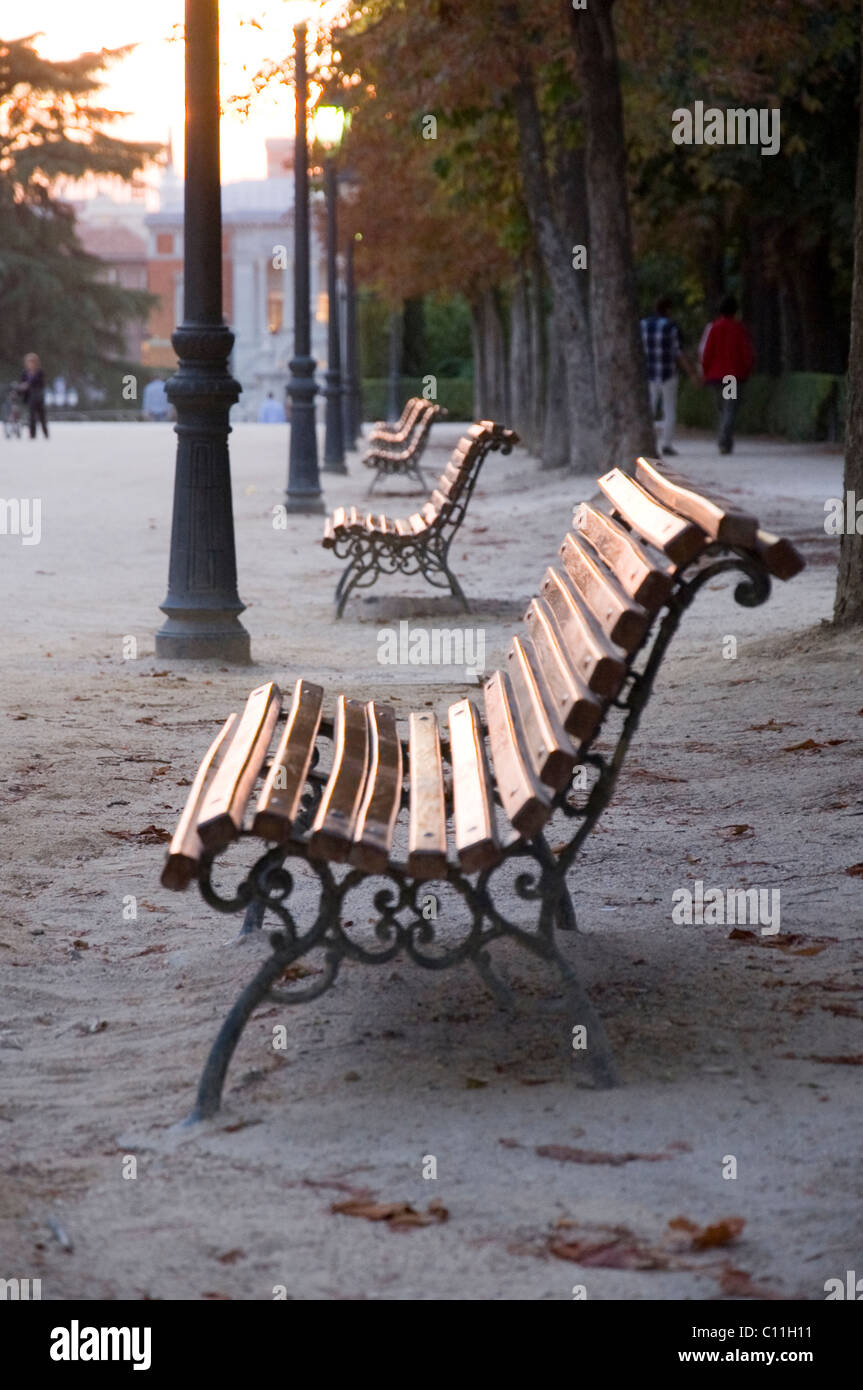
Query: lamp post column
{"type": "Point", "coordinates": [202, 606]}
{"type": "Point", "coordinates": [304, 484]}
{"type": "Point", "coordinates": [334, 444]}
{"type": "Point", "coordinates": [351, 394]}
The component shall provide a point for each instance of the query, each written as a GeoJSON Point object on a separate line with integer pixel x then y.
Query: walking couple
{"type": "Point", "coordinates": [726, 358]}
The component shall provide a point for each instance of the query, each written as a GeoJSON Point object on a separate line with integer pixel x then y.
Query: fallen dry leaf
{"type": "Point", "coordinates": [230, 1257]}
{"type": "Point", "coordinates": [734, 831]}
{"type": "Point", "coordinates": [738, 934]}
{"type": "Point", "coordinates": [563, 1154]}
{"type": "Point", "coordinates": [856, 871]}
{"type": "Point", "coordinates": [150, 835]}
{"type": "Point", "coordinates": [706, 1237]}
{"type": "Point", "coordinates": [608, 1248]}
{"type": "Point", "coordinates": [398, 1215]}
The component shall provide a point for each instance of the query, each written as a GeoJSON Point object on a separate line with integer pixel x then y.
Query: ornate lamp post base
{"type": "Point", "coordinates": [304, 490]}
{"type": "Point", "coordinates": [203, 608]}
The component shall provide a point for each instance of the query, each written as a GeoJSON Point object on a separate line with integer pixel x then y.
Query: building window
{"type": "Point", "coordinates": [275, 311]}
{"type": "Point", "coordinates": [165, 243]}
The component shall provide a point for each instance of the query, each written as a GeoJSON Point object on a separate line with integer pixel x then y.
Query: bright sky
{"type": "Point", "coordinates": [149, 83]}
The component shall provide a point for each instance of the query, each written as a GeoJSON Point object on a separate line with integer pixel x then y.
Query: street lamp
{"type": "Point", "coordinates": [304, 484]}
{"type": "Point", "coordinates": [202, 607]}
{"type": "Point", "coordinates": [329, 128]}
{"type": "Point", "coordinates": [351, 393]}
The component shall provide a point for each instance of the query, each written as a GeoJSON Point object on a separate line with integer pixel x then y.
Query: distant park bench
{"type": "Point", "coordinates": [374, 544]}
{"type": "Point", "coordinates": [351, 799]}
{"type": "Point", "coordinates": [397, 451]}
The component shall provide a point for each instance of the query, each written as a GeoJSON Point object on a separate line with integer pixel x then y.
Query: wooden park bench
{"type": "Point", "coordinates": [344, 797]}
{"type": "Point", "coordinates": [374, 544]}
{"type": "Point", "coordinates": [385, 433]}
{"type": "Point", "coordinates": [400, 453]}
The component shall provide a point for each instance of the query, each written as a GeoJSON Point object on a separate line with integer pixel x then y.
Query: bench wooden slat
{"type": "Point", "coordinates": [333, 829]}
{"type": "Point", "coordinates": [427, 818]}
{"type": "Point", "coordinates": [329, 534]}
{"type": "Point", "coordinates": [473, 809]}
{"type": "Point", "coordinates": [430, 513]}
{"type": "Point", "coordinates": [622, 618]}
{"type": "Point", "coordinates": [524, 797]}
{"type": "Point", "coordinates": [591, 652]}
{"type": "Point", "coordinates": [403, 527]}
{"type": "Point", "coordinates": [778, 555]}
{"type": "Point", "coordinates": [185, 850]}
{"type": "Point", "coordinates": [354, 518]}
{"type": "Point", "coordinates": [548, 744]}
{"type": "Point", "coordinates": [417, 523]}
{"type": "Point", "coordinates": [279, 801]}
{"type": "Point", "coordinates": [638, 575]}
{"type": "Point", "coordinates": [438, 500]}
{"type": "Point", "coordinates": [224, 805]}
{"type": "Point", "coordinates": [716, 516]}
{"type": "Point", "coordinates": [679, 539]}
{"type": "Point", "coordinates": [579, 710]}
{"type": "Point", "coordinates": [383, 795]}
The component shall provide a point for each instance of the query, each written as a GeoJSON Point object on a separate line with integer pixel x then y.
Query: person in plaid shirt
{"type": "Point", "coordinates": [663, 349]}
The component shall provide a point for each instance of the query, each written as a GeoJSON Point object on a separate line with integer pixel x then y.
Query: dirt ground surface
{"type": "Point", "coordinates": [746, 772]}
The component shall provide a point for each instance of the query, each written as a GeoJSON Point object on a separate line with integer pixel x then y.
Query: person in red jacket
{"type": "Point", "coordinates": [727, 359]}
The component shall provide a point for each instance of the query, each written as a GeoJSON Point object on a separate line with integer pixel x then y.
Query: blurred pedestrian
{"type": "Point", "coordinates": [155, 399]}
{"type": "Point", "coordinates": [663, 349]}
{"type": "Point", "coordinates": [31, 389]}
{"type": "Point", "coordinates": [727, 359]}
{"type": "Point", "coordinates": [270, 411]}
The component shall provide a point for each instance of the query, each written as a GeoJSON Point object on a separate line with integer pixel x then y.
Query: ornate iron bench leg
{"type": "Point", "coordinates": [374, 482]}
{"type": "Point", "coordinates": [455, 587]}
{"type": "Point", "coordinates": [213, 1076]}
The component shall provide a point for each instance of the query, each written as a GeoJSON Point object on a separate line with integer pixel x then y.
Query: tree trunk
{"type": "Point", "coordinates": [570, 364]}
{"type": "Point", "coordinates": [521, 383]}
{"type": "Point", "coordinates": [848, 607]}
{"type": "Point", "coordinates": [537, 315]}
{"type": "Point", "coordinates": [394, 366]}
{"type": "Point", "coordinates": [556, 451]}
{"type": "Point", "coordinates": [621, 379]}
{"type": "Point", "coordinates": [489, 357]}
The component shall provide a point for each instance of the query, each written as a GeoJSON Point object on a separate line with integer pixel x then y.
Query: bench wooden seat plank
{"type": "Point", "coordinates": [679, 539]}
{"type": "Point", "coordinates": [185, 850]}
{"type": "Point", "coordinates": [579, 710]}
{"type": "Point", "coordinates": [592, 653]}
{"type": "Point", "coordinates": [383, 794]}
{"type": "Point", "coordinates": [639, 576]}
{"type": "Point", "coordinates": [333, 828]}
{"type": "Point", "coordinates": [473, 808]}
{"type": "Point", "coordinates": [779, 556]}
{"type": "Point", "coordinates": [427, 856]}
{"type": "Point", "coordinates": [224, 804]}
{"type": "Point", "coordinates": [718, 518]}
{"type": "Point", "coordinates": [524, 797]}
{"type": "Point", "coordinates": [622, 618]}
{"type": "Point", "coordinates": [279, 801]}
{"type": "Point", "coordinates": [549, 747]}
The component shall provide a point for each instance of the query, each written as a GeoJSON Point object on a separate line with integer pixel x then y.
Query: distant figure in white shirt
{"type": "Point", "coordinates": [155, 400]}
{"type": "Point", "coordinates": [271, 411]}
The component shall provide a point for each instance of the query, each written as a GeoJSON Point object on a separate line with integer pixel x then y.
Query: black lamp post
{"type": "Point", "coordinates": [202, 607]}
{"type": "Point", "coordinates": [329, 123]}
{"type": "Point", "coordinates": [351, 389]}
{"type": "Point", "coordinates": [304, 484]}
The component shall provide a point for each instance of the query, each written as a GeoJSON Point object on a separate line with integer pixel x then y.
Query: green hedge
{"type": "Point", "coordinates": [798, 405]}
{"type": "Point", "coordinates": [455, 394]}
